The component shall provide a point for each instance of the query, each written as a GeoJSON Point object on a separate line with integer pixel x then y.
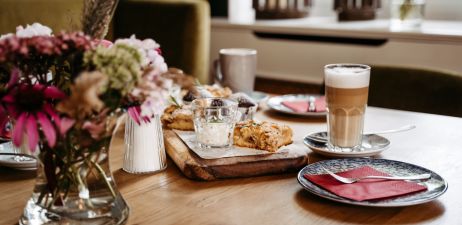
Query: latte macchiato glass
{"type": "Point", "coordinates": [347, 87]}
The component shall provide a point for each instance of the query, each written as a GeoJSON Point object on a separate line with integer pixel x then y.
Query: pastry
{"type": "Point", "coordinates": [217, 91]}
{"type": "Point", "coordinates": [262, 135]}
{"type": "Point", "coordinates": [185, 81]}
{"type": "Point", "coordinates": [206, 91]}
{"type": "Point", "coordinates": [176, 117]}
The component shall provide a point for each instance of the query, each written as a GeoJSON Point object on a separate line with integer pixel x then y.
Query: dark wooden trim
{"type": "Point", "coordinates": [322, 39]}
{"type": "Point", "coordinates": [275, 86]}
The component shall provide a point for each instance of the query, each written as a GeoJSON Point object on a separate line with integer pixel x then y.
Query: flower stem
{"type": "Point", "coordinates": [103, 176]}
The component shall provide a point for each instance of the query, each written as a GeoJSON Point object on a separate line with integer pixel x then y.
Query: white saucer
{"type": "Point", "coordinates": [371, 145]}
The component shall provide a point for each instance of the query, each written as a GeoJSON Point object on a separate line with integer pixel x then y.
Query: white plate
{"type": "Point", "coordinates": [258, 96]}
{"type": "Point", "coordinates": [275, 103]}
{"type": "Point", "coordinates": [8, 158]}
{"type": "Point", "coordinates": [371, 145]}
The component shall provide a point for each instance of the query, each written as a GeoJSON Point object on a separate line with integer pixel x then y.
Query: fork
{"type": "Point", "coordinates": [311, 104]}
{"type": "Point", "coordinates": [347, 180]}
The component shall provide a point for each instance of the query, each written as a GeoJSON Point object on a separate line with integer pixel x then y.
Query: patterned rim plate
{"type": "Point", "coordinates": [436, 184]}
{"type": "Point", "coordinates": [7, 158]}
{"type": "Point", "coordinates": [275, 103]}
{"type": "Point", "coordinates": [372, 144]}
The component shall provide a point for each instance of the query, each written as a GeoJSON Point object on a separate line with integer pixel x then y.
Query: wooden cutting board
{"type": "Point", "coordinates": [198, 168]}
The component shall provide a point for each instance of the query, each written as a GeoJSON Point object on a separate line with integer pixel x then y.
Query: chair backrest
{"type": "Point", "coordinates": [417, 90]}
{"type": "Point", "coordinates": [58, 15]}
{"type": "Point", "coordinates": [181, 27]}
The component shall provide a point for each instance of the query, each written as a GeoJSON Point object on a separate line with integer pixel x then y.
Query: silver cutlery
{"type": "Point", "coordinates": [322, 136]}
{"type": "Point", "coordinates": [311, 104]}
{"type": "Point", "coordinates": [347, 180]}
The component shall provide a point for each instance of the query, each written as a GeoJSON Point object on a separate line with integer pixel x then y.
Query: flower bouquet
{"type": "Point", "coordinates": [62, 95]}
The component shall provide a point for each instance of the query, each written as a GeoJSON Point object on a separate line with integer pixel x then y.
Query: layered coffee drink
{"type": "Point", "coordinates": [347, 87]}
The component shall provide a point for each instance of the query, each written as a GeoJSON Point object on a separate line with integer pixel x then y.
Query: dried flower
{"type": "Point", "coordinates": [84, 99]}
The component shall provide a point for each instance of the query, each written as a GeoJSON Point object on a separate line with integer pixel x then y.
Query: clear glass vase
{"type": "Point", "coordinates": [144, 146]}
{"type": "Point", "coordinates": [74, 183]}
{"type": "Point", "coordinates": [406, 14]}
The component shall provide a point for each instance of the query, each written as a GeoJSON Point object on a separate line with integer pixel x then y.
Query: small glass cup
{"type": "Point", "coordinates": [214, 120]}
{"type": "Point", "coordinates": [247, 113]}
{"type": "Point", "coordinates": [347, 88]}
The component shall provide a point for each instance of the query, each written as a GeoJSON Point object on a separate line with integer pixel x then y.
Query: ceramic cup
{"type": "Point", "coordinates": [236, 69]}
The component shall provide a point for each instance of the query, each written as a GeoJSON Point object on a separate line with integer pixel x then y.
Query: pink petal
{"type": "Point", "coordinates": [134, 115]}
{"type": "Point", "coordinates": [14, 77]}
{"type": "Point", "coordinates": [32, 132]}
{"type": "Point", "coordinates": [65, 125]}
{"type": "Point", "coordinates": [54, 93]}
{"type": "Point", "coordinates": [18, 131]}
{"type": "Point", "coordinates": [13, 111]}
{"type": "Point", "coordinates": [146, 119]}
{"type": "Point", "coordinates": [51, 112]}
{"type": "Point", "coordinates": [47, 129]}
{"type": "Point", "coordinates": [8, 98]}
{"type": "Point", "coordinates": [105, 43]}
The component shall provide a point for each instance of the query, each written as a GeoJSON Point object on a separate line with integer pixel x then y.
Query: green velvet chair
{"type": "Point", "coordinates": [417, 90]}
{"type": "Point", "coordinates": [57, 14]}
{"type": "Point", "coordinates": [182, 27]}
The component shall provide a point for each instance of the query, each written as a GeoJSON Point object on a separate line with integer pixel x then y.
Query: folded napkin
{"type": "Point", "coordinates": [366, 189]}
{"type": "Point", "coordinates": [302, 106]}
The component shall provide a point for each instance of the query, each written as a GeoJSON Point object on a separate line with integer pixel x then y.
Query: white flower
{"type": "Point", "coordinates": [36, 29]}
{"type": "Point", "coordinates": [148, 51]}
{"type": "Point", "coordinates": [5, 36]}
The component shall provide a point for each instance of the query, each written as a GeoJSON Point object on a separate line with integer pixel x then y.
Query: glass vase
{"type": "Point", "coordinates": [406, 14]}
{"type": "Point", "coordinates": [74, 183]}
{"type": "Point", "coordinates": [144, 146]}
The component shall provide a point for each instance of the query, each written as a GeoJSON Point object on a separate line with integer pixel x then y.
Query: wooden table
{"type": "Point", "coordinates": [169, 198]}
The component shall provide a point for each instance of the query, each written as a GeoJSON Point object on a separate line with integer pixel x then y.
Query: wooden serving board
{"type": "Point", "coordinates": [198, 168]}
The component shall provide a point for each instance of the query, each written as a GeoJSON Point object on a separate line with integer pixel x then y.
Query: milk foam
{"type": "Point", "coordinates": [346, 76]}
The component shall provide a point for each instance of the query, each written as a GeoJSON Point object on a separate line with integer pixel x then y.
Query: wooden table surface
{"type": "Point", "coordinates": [170, 198]}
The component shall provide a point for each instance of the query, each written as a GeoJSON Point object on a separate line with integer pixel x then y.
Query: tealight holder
{"type": "Point", "coordinates": [214, 120]}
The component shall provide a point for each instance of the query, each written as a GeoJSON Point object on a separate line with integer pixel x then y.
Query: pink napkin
{"type": "Point", "coordinates": [365, 189]}
{"type": "Point", "coordinates": [302, 106]}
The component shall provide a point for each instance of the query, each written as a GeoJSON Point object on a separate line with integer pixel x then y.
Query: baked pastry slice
{"type": "Point", "coordinates": [180, 118]}
{"type": "Point", "coordinates": [262, 135]}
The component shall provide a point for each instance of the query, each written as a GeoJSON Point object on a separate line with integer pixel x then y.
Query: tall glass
{"type": "Point", "coordinates": [347, 87]}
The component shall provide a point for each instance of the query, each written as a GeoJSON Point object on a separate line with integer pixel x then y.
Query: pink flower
{"type": "Point", "coordinates": [31, 107]}
{"type": "Point", "coordinates": [135, 113]}
{"type": "Point", "coordinates": [105, 43]}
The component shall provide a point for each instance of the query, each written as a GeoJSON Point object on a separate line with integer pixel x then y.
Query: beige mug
{"type": "Point", "coordinates": [236, 69]}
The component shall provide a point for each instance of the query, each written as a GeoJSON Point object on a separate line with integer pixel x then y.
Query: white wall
{"type": "Point", "coordinates": [434, 9]}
